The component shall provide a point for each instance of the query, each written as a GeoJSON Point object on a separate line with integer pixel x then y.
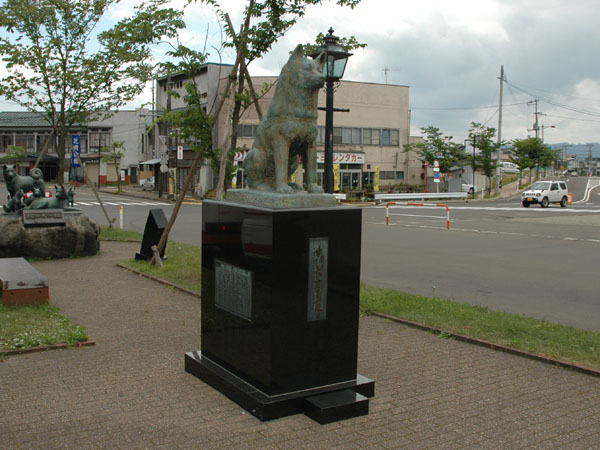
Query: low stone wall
{"type": "Point", "coordinates": [78, 237]}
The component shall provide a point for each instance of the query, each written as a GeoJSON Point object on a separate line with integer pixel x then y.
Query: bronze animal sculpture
{"type": "Point", "coordinates": [16, 182]}
{"type": "Point", "coordinates": [15, 203]}
{"type": "Point", "coordinates": [57, 202]}
{"type": "Point", "coordinates": [288, 129]}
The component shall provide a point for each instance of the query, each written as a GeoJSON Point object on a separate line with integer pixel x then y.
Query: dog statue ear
{"type": "Point", "coordinates": [322, 59]}
{"type": "Point", "coordinates": [298, 52]}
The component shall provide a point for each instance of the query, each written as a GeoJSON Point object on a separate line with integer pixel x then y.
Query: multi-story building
{"type": "Point", "coordinates": [370, 137]}
{"type": "Point", "coordinates": [166, 141]}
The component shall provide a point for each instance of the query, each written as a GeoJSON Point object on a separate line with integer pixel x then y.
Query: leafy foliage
{"type": "Point", "coordinates": [483, 139]}
{"type": "Point", "coordinates": [437, 146]}
{"type": "Point", "coordinates": [348, 43]}
{"type": "Point", "coordinates": [47, 46]}
{"type": "Point", "coordinates": [114, 156]}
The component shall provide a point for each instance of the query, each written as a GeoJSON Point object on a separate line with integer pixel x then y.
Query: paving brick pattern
{"type": "Point", "coordinates": [131, 391]}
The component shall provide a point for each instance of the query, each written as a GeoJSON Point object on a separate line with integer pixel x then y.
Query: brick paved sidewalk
{"type": "Point", "coordinates": [131, 391]}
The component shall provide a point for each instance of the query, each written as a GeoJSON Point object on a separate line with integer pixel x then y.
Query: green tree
{"type": "Point", "coordinates": [114, 156]}
{"type": "Point", "coordinates": [528, 153]}
{"type": "Point", "coordinates": [436, 146]}
{"type": "Point", "coordinates": [14, 153]}
{"type": "Point", "coordinates": [59, 63]}
{"type": "Point", "coordinates": [483, 139]}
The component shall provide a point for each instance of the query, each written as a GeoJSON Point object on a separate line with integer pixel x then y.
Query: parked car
{"type": "Point", "coordinates": [508, 167]}
{"type": "Point", "coordinates": [148, 184]}
{"type": "Point", "coordinates": [546, 192]}
{"type": "Point", "coordinates": [466, 187]}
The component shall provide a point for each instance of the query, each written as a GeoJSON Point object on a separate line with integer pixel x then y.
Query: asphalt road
{"type": "Point", "coordinates": [538, 262]}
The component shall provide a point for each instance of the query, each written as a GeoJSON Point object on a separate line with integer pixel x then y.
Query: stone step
{"type": "Point", "coordinates": [335, 406]}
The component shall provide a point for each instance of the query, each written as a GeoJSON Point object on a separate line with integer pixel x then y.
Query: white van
{"type": "Point", "coordinates": [508, 167]}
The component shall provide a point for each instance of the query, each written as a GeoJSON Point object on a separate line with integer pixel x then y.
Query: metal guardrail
{"type": "Point", "coordinates": [421, 196]}
{"type": "Point", "coordinates": [388, 214]}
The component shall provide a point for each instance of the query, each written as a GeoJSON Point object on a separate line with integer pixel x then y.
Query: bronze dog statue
{"type": "Point", "coordinates": [16, 182]}
{"type": "Point", "coordinates": [288, 129]}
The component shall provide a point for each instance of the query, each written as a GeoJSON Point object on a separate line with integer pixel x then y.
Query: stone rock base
{"type": "Point", "coordinates": [78, 237]}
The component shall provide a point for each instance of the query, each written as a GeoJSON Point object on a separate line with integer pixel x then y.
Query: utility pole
{"type": "Point", "coordinates": [536, 127]}
{"type": "Point", "coordinates": [498, 173]}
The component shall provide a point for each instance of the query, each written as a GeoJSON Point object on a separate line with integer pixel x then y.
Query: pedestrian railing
{"type": "Point", "coordinates": [388, 214]}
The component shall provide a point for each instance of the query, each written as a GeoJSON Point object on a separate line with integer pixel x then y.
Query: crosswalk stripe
{"type": "Point", "coordinates": [122, 204]}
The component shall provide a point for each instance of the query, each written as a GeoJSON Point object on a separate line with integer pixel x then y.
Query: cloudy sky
{"type": "Point", "coordinates": [449, 53]}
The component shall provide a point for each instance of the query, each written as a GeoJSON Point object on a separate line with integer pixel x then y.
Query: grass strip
{"type": "Point", "coordinates": [537, 336]}
{"type": "Point", "coordinates": [182, 266]}
{"type": "Point", "coordinates": [23, 327]}
{"type": "Point", "coordinates": [116, 234]}
{"type": "Point", "coordinates": [532, 335]}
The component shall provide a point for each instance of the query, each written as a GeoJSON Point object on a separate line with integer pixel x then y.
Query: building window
{"type": "Point", "coordinates": [390, 137]}
{"type": "Point", "coordinates": [247, 130]}
{"type": "Point", "coordinates": [371, 136]}
{"type": "Point", "coordinates": [337, 135]}
{"type": "Point", "coordinates": [99, 139]}
{"type": "Point", "coordinates": [368, 178]}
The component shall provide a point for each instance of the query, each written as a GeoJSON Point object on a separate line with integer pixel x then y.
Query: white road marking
{"type": "Point", "coordinates": [595, 241]}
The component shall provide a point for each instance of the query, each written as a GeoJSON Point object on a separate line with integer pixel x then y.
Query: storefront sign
{"type": "Point", "coordinates": [343, 158]}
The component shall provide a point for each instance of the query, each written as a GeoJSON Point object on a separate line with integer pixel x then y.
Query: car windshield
{"type": "Point", "coordinates": [540, 186]}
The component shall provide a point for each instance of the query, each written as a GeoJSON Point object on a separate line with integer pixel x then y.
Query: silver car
{"type": "Point", "coordinates": [148, 184]}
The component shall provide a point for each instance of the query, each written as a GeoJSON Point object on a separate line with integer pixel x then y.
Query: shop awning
{"type": "Point", "coordinates": [151, 161]}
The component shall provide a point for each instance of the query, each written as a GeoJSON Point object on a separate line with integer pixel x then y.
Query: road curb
{"type": "Point", "coordinates": [160, 280]}
{"type": "Point", "coordinates": [491, 345]}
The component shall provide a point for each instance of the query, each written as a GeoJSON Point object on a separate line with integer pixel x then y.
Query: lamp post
{"type": "Point", "coordinates": [333, 71]}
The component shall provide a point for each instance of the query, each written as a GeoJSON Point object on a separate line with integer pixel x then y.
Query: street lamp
{"type": "Point", "coordinates": [333, 71]}
{"type": "Point", "coordinates": [542, 127]}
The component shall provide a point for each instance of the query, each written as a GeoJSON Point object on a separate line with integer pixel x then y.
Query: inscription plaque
{"type": "Point", "coordinates": [317, 279]}
{"type": "Point", "coordinates": [43, 217]}
{"type": "Point", "coordinates": [233, 289]}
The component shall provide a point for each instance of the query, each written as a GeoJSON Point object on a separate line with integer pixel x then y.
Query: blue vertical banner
{"type": "Point", "coordinates": [75, 147]}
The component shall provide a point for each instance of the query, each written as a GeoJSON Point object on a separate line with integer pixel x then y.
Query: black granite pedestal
{"type": "Point", "coordinates": [280, 309]}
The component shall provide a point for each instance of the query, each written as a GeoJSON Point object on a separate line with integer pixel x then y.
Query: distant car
{"type": "Point", "coordinates": [466, 187]}
{"type": "Point", "coordinates": [546, 192]}
{"type": "Point", "coordinates": [148, 184]}
{"type": "Point", "coordinates": [508, 167]}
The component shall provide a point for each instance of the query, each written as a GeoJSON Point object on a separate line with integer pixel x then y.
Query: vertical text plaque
{"type": "Point", "coordinates": [317, 279]}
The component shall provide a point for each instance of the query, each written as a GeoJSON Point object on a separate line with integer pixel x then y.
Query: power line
{"type": "Point", "coordinates": [553, 103]}
{"type": "Point", "coordinates": [458, 108]}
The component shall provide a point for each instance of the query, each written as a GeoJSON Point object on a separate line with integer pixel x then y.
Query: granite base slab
{"type": "Point", "coordinates": [264, 406]}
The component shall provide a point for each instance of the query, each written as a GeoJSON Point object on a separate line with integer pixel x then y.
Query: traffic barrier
{"type": "Point", "coordinates": [570, 202]}
{"type": "Point", "coordinates": [421, 196]}
{"type": "Point", "coordinates": [387, 211]}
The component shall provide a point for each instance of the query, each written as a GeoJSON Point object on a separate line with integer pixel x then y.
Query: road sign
{"type": "Point", "coordinates": [426, 163]}
{"type": "Point", "coordinates": [436, 170]}
{"type": "Point", "coordinates": [436, 175]}
{"type": "Point", "coordinates": [436, 163]}
{"type": "Point", "coordinates": [180, 152]}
